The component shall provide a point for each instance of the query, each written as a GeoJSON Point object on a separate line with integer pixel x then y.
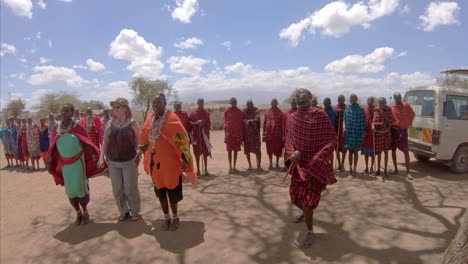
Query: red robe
{"type": "Point", "coordinates": [339, 121]}
{"type": "Point", "coordinates": [91, 152]}
{"type": "Point", "coordinates": [368, 137]}
{"type": "Point", "coordinates": [198, 141]}
{"type": "Point", "coordinates": [285, 120]}
{"type": "Point", "coordinates": [382, 121]}
{"type": "Point", "coordinates": [94, 130]}
{"type": "Point", "coordinates": [24, 142]}
{"type": "Point", "coordinates": [311, 133]}
{"type": "Point", "coordinates": [273, 130]}
{"type": "Point", "coordinates": [252, 141]}
{"type": "Point", "coordinates": [184, 119]}
{"type": "Point", "coordinates": [233, 128]}
{"type": "Point", "coordinates": [403, 115]}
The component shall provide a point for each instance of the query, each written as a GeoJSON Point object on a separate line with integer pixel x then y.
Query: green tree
{"type": "Point", "coordinates": [453, 80]}
{"type": "Point", "coordinates": [14, 108]}
{"type": "Point", "coordinates": [53, 102]}
{"type": "Point", "coordinates": [93, 104]}
{"type": "Point", "coordinates": [145, 90]}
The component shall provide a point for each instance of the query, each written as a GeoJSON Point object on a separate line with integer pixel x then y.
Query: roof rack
{"type": "Point", "coordinates": [456, 71]}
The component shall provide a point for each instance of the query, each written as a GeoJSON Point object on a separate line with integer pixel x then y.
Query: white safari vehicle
{"type": "Point", "coordinates": [440, 128]}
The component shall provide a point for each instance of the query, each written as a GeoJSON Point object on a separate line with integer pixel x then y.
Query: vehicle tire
{"type": "Point", "coordinates": [460, 160]}
{"type": "Point", "coordinates": [421, 158]}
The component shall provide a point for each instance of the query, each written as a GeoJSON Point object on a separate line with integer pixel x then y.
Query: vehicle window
{"type": "Point", "coordinates": [456, 107]}
{"type": "Point", "coordinates": [422, 102]}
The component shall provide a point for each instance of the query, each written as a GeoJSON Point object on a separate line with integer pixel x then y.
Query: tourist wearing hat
{"type": "Point", "coordinates": [120, 151]}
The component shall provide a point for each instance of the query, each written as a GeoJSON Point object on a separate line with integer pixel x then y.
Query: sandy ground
{"type": "Point", "coordinates": [243, 218]}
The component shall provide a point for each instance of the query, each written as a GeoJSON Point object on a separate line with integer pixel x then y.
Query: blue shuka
{"type": "Point", "coordinates": [355, 122]}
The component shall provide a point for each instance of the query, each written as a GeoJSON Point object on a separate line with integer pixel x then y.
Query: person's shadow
{"type": "Point", "coordinates": [75, 235]}
{"type": "Point", "coordinates": [190, 234]}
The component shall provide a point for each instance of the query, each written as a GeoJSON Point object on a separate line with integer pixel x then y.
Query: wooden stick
{"type": "Point", "coordinates": [289, 170]}
{"type": "Point", "coordinates": [201, 149]}
{"type": "Point", "coordinates": [375, 154]}
{"type": "Point", "coordinates": [338, 145]}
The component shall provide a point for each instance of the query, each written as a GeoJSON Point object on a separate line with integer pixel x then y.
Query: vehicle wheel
{"type": "Point", "coordinates": [460, 160]}
{"type": "Point", "coordinates": [420, 157]}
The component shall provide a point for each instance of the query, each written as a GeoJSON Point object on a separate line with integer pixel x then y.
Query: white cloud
{"type": "Point", "coordinates": [405, 10]}
{"type": "Point", "coordinates": [371, 63]}
{"type": "Point", "coordinates": [143, 56]}
{"type": "Point", "coordinates": [187, 65]}
{"type": "Point", "coordinates": [190, 43]}
{"type": "Point", "coordinates": [18, 76]}
{"type": "Point", "coordinates": [44, 60]}
{"type": "Point", "coordinates": [337, 18]}
{"type": "Point", "coordinates": [38, 35]}
{"type": "Point", "coordinates": [417, 79]}
{"type": "Point", "coordinates": [6, 48]}
{"type": "Point", "coordinates": [109, 92]}
{"type": "Point", "coordinates": [227, 45]}
{"type": "Point", "coordinates": [248, 42]}
{"type": "Point", "coordinates": [94, 65]}
{"type": "Point", "coordinates": [41, 4]}
{"type": "Point", "coordinates": [66, 1]}
{"type": "Point", "coordinates": [185, 10]}
{"type": "Point", "coordinates": [49, 43]}
{"type": "Point", "coordinates": [31, 50]}
{"type": "Point", "coordinates": [79, 66]}
{"type": "Point", "coordinates": [27, 38]}
{"type": "Point", "coordinates": [20, 7]}
{"type": "Point", "coordinates": [255, 83]}
{"type": "Point", "coordinates": [239, 68]}
{"type": "Point", "coordinates": [49, 74]}
{"type": "Point", "coordinates": [23, 60]}
{"type": "Point", "coordinates": [402, 54]}
{"type": "Point", "coordinates": [440, 14]}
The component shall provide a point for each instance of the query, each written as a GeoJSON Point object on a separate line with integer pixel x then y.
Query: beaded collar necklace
{"type": "Point", "coordinates": [156, 126]}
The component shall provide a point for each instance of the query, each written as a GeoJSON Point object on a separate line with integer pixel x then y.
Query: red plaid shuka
{"type": "Point", "coordinates": [184, 119]}
{"type": "Point", "coordinates": [273, 129]}
{"type": "Point", "coordinates": [94, 130]}
{"type": "Point", "coordinates": [252, 142]}
{"type": "Point", "coordinates": [287, 114]}
{"type": "Point", "coordinates": [382, 121]}
{"type": "Point", "coordinates": [310, 132]}
{"type": "Point", "coordinates": [24, 142]}
{"type": "Point", "coordinates": [368, 138]}
{"type": "Point", "coordinates": [339, 121]}
{"type": "Point", "coordinates": [233, 128]}
{"type": "Point", "coordinates": [403, 115]}
{"type": "Point", "coordinates": [198, 142]}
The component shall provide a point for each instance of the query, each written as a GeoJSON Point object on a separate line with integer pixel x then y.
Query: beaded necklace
{"type": "Point", "coordinates": [156, 126]}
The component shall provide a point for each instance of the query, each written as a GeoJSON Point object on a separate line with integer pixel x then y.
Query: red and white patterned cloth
{"type": "Point", "coordinates": [198, 141]}
{"type": "Point", "coordinates": [382, 121]}
{"type": "Point", "coordinates": [273, 129]}
{"type": "Point", "coordinates": [368, 137]}
{"type": "Point", "coordinates": [233, 128]}
{"type": "Point", "coordinates": [252, 141]}
{"type": "Point", "coordinates": [339, 121]}
{"type": "Point", "coordinates": [311, 133]}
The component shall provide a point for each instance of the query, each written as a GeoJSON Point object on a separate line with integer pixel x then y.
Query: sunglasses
{"type": "Point", "coordinates": [116, 107]}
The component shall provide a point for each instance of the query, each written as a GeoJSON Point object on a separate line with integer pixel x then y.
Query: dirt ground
{"type": "Point", "coordinates": [244, 218]}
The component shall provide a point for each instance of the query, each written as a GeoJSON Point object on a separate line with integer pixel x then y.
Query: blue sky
{"type": "Point", "coordinates": [218, 49]}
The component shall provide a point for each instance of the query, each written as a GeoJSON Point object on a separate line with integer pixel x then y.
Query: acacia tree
{"type": "Point", "coordinates": [14, 108]}
{"type": "Point", "coordinates": [145, 90]}
{"type": "Point", "coordinates": [53, 102]}
{"type": "Point", "coordinates": [453, 80]}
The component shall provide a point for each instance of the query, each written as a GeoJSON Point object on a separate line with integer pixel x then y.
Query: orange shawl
{"type": "Point", "coordinates": [403, 115]}
{"type": "Point", "coordinates": [170, 150]}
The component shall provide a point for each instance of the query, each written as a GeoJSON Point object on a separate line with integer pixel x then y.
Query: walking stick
{"type": "Point", "coordinates": [375, 154]}
{"type": "Point", "coordinates": [201, 149]}
{"type": "Point", "coordinates": [289, 170]}
{"type": "Point", "coordinates": [338, 145]}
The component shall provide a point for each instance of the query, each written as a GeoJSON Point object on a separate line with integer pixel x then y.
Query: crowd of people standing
{"type": "Point", "coordinates": [306, 136]}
